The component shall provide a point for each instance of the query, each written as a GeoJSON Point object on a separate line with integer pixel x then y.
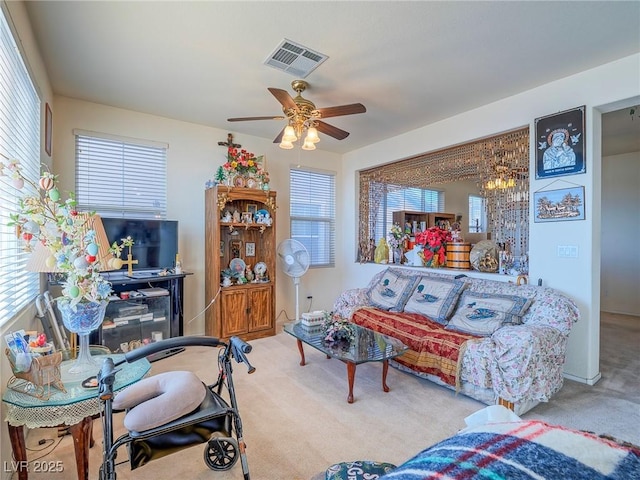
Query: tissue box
{"type": "Point", "coordinates": [313, 319]}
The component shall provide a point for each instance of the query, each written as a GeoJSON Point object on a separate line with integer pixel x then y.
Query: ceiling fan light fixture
{"type": "Point", "coordinates": [289, 135]}
{"type": "Point", "coordinates": [312, 135]}
{"type": "Point", "coordinates": [308, 144]}
{"type": "Point", "coordinates": [286, 145]}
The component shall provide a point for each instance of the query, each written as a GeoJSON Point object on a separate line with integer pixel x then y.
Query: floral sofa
{"type": "Point", "coordinates": [494, 341]}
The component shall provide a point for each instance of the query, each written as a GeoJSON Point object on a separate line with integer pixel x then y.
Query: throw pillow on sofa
{"type": "Point", "coordinates": [434, 298]}
{"type": "Point", "coordinates": [391, 291]}
{"type": "Point", "coordinates": [483, 313]}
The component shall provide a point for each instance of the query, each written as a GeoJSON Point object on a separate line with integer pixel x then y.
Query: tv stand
{"type": "Point", "coordinates": [132, 320]}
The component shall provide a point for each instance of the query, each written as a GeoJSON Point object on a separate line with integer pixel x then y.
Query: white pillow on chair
{"type": "Point", "coordinates": [160, 399]}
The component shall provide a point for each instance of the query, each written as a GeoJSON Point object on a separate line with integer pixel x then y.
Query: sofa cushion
{"type": "Point", "coordinates": [391, 291]}
{"type": "Point", "coordinates": [434, 298]}
{"type": "Point", "coordinates": [483, 313]}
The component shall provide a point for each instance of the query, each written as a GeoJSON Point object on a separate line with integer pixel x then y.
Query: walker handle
{"type": "Point", "coordinates": [238, 349]}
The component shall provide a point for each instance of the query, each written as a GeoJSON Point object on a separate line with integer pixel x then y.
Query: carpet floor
{"type": "Point", "coordinates": [297, 421]}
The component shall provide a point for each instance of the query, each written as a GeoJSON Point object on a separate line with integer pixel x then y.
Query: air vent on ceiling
{"type": "Point", "coordinates": [295, 59]}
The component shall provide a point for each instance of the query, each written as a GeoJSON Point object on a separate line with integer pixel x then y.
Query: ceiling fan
{"type": "Point", "coordinates": [302, 115]}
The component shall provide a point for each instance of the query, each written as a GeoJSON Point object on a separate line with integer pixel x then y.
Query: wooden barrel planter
{"type": "Point", "coordinates": [458, 255]}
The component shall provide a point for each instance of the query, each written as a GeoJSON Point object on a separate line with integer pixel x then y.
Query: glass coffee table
{"type": "Point", "coordinates": [368, 346]}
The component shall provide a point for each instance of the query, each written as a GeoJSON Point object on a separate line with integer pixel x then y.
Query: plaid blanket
{"type": "Point", "coordinates": [522, 450]}
{"type": "Point", "coordinates": [432, 349]}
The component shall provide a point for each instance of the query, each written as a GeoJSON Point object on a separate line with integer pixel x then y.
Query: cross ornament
{"type": "Point", "coordinates": [229, 143]}
{"type": "Point", "coordinates": [130, 262]}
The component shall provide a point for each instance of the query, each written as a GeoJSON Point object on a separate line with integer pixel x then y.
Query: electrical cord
{"type": "Point", "coordinates": [207, 307]}
{"type": "Point", "coordinates": [51, 445]}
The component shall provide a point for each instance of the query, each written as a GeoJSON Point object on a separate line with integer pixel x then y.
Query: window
{"type": "Point", "coordinates": [119, 177]}
{"type": "Point", "coordinates": [19, 140]}
{"type": "Point", "coordinates": [396, 198]}
{"type": "Point", "coordinates": [477, 215]}
{"type": "Point", "coordinates": [313, 214]}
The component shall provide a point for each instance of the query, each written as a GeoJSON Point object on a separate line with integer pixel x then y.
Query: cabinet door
{"type": "Point", "coordinates": [259, 308]}
{"type": "Point", "coordinates": [234, 312]}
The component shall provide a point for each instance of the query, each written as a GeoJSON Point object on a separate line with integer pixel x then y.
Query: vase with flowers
{"type": "Point", "coordinates": [396, 239]}
{"type": "Point", "coordinates": [434, 241]}
{"type": "Point", "coordinates": [45, 220]}
{"type": "Point", "coordinates": [245, 166]}
{"type": "Point", "coordinates": [338, 332]}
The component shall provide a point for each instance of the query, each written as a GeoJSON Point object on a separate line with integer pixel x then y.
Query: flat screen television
{"type": "Point", "coordinates": [155, 241]}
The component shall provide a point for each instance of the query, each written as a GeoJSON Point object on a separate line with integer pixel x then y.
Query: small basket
{"type": "Point", "coordinates": [43, 373]}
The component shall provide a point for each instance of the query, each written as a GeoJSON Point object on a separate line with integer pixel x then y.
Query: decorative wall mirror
{"type": "Point", "coordinates": [495, 169]}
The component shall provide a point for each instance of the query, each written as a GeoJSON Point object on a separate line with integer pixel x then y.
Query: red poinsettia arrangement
{"type": "Point", "coordinates": [242, 162]}
{"type": "Point", "coordinates": [434, 240]}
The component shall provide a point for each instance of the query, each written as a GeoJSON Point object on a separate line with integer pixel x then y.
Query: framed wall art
{"type": "Point", "coordinates": [559, 205]}
{"type": "Point", "coordinates": [250, 249]}
{"type": "Point", "coordinates": [48, 129]}
{"type": "Point", "coordinates": [252, 208]}
{"type": "Point", "coordinates": [235, 248]}
{"type": "Point", "coordinates": [560, 144]}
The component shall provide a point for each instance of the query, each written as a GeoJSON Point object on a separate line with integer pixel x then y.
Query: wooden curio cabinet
{"type": "Point", "coordinates": [246, 310]}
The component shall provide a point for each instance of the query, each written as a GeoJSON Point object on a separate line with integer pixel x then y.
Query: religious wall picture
{"type": "Point", "coordinates": [559, 205]}
{"type": "Point", "coordinates": [560, 144]}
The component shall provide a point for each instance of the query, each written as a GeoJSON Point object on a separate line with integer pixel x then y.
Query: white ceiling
{"type": "Point", "coordinates": [410, 63]}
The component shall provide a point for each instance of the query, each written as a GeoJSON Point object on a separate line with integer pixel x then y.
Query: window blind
{"type": "Point", "coordinates": [313, 214]}
{"type": "Point", "coordinates": [120, 177]}
{"type": "Point", "coordinates": [19, 140]}
{"type": "Point", "coordinates": [477, 214]}
{"type": "Point", "coordinates": [396, 198]}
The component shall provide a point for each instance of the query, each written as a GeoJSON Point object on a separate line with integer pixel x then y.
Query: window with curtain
{"type": "Point", "coordinates": [313, 213]}
{"type": "Point", "coordinates": [121, 177]}
{"type": "Point", "coordinates": [396, 198]}
{"type": "Point", "coordinates": [19, 140]}
{"type": "Point", "coordinates": [477, 215]}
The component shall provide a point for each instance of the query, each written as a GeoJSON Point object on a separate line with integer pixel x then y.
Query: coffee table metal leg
{"type": "Point", "coordinates": [385, 369]}
{"type": "Point", "coordinates": [302, 361]}
{"type": "Point", "coordinates": [351, 375]}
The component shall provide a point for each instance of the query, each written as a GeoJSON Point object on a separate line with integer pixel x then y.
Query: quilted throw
{"type": "Point", "coordinates": [432, 349]}
{"type": "Point", "coordinates": [521, 451]}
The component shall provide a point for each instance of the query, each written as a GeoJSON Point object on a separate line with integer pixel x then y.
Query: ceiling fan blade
{"type": "Point", "coordinates": [244, 119]}
{"type": "Point", "coordinates": [342, 110]}
{"type": "Point", "coordinates": [278, 139]}
{"type": "Point", "coordinates": [283, 97]}
{"type": "Point", "coordinates": [332, 131]}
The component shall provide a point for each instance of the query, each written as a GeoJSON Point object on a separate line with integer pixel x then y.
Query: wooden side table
{"type": "Point", "coordinates": [75, 408]}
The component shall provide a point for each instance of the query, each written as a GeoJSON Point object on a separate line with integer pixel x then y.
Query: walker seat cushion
{"type": "Point", "coordinates": [358, 470]}
{"type": "Point", "coordinates": [160, 399]}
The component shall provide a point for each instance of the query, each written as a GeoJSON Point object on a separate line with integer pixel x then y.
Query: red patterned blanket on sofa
{"type": "Point", "coordinates": [432, 349]}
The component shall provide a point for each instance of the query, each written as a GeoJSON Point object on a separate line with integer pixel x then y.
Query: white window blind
{"type": "Point", "coordinates": [120, 177]}
{"type": "Point", "coordinates": [313, 214]}
{"type": "Point", "coordinates": [19, 140]}
{"type": "Point", "coordinates": [396, 198]}
{"type": "Point", "coordinates": [477, 223]}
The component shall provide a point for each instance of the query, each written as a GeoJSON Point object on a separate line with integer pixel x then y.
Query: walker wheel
{"type": "Point", "coordinates": [221, 453]}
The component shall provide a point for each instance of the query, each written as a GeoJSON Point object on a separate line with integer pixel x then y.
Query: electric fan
{"type": "Point", "coordinates": [294, 259]}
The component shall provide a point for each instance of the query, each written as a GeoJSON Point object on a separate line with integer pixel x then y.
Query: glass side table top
{"type": "Point", "coordinates": [368, 346]}
{"type": "Point", "coordinates": [128, 374]}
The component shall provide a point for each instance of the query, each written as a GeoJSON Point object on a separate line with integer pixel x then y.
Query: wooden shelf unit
{"type": "Point", "coordinates": [247, 310]}
{"type": "Point", "coordinates": [430, 218]}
